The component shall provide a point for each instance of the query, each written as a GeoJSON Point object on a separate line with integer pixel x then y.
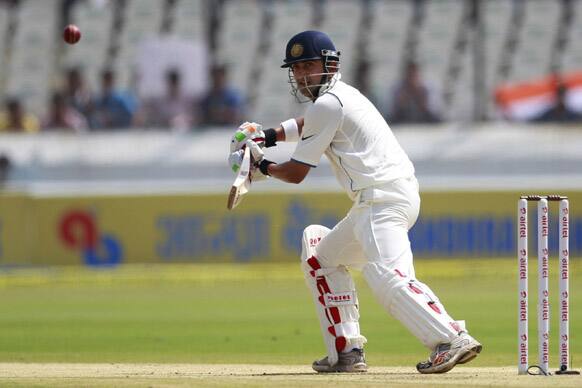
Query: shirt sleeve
{"type": "Point", "coordinates": [322, 121]}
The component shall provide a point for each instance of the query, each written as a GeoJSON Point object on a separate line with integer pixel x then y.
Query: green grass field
{"type": "Point", "coordinates": [259, 314]}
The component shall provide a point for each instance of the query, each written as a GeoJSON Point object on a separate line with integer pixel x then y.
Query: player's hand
{"type": "Point", "coordinates": [235, 160]}
{"type": "Point", "coordinates": [257, 156]}
{"type": "Point", "coordinates": [257, 153]}
{"type": "Point", "coordinates": [247, 131]}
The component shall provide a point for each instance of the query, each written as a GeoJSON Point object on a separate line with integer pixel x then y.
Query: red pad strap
{"type": "Point", "coordinates": [340, 343]}
{"type": "Point", "coordinates": [331, 330]}
{"type": "Point", "coordinates": [399, 273]}
{"type": "Point", "coordinates": [314, 264]}
{"type": "Point", "coordinates": [333, 314]}
{"type": "Point", "coordinates": [433, 306]}
{"type": "Point", "coordinates": [415, 289]}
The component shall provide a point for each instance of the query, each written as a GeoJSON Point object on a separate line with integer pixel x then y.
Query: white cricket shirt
{"type": "Point", "coordinates": [345, 126]}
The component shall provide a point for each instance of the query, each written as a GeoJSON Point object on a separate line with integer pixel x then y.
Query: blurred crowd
{"type": "Point", "coordinates": [77, 108]}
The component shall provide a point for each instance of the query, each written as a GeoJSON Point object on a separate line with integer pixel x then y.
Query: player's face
{"type": "Point", "coordinates": [308, 75]}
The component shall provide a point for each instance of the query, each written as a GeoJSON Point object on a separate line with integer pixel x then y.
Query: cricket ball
{"type": "Point", "coordinates": [71, 34]}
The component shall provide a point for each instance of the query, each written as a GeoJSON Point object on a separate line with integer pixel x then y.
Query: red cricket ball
{"type": "Point", "coordinates": [72, 34]}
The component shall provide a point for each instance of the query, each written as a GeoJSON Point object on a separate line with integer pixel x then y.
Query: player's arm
{"type": "Point", "coordinates": [289, 130]}
{"type": "Point", "coordinates": [290, 172]}
{"type": "Point", "coordinates": [323, 123]}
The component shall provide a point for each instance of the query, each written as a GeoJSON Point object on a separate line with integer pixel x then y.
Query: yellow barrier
{"type": "Point", "coordinates": [109, 230]}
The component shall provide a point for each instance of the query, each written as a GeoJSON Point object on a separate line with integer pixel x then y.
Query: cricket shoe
{"type": "Point", "coordinates": [461, 350]}
{"type": "Point", "coordinates": [350, 362]}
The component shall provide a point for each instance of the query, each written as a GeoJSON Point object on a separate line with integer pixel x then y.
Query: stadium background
{"type": "Point", "coordinates": [126, 198]}
{"type": "Point", "coordinates": [163, 180]}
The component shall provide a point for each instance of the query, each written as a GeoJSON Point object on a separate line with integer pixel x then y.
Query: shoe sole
{"type": "Point", "coordinates": [471, 354]}
{"type": "Point", "coordinates": [463, 358]}
{"type": "Point", "coordinates": [356, 368]}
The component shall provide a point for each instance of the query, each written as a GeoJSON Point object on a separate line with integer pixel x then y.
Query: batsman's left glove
{"type": "Point", "coordinates": [235, 160]}
{"type": "Point", "coordinates": [259, 163]}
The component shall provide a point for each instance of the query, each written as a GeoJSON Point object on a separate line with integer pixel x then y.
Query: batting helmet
{"type": "Point", "coordinates": [310, 45]}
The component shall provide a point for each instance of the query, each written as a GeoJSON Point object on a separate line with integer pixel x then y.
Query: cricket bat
{"type": "Point", "coordinates": [242, 183]}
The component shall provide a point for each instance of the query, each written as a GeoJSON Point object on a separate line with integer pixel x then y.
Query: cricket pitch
{"type": "Point", "coordinates": [215, 375]}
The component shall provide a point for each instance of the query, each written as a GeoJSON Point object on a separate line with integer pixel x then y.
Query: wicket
{"type": "Point", "coordinates": [543, 305]}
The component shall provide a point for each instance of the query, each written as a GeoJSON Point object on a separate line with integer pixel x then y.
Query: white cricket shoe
{"type": "Point", "coordinates": [461, 350]}
{"type": "Point", "coordinates": [350, 362]}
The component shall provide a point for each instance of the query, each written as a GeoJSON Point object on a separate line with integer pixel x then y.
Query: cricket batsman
{"type": "Point", "coordinates": [378, 176]}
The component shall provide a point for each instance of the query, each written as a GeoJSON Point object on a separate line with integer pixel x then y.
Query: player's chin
{"type": "Point", "coordinates": [306, 91]}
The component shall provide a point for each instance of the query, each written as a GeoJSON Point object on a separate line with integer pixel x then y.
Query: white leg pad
{"type": "Point", "coordinates": [335, 297]}
{"type": "Point", "coordinates": [413, 304]}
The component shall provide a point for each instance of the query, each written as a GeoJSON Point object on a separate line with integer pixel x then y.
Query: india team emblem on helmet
{"type": "Point", "coordinates": [296, 50]}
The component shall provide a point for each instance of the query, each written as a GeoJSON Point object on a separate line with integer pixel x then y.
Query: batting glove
{"type": "Point", "coordinates": [235, 160]}
{"type": "Point", "coordinates": [257, 152]}
{"type": "Point", "coordinates": [247, 131]}
{"type": "Point", "coordinates": [258, 160]}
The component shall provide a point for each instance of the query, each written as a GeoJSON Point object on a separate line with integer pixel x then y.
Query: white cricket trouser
{"type": "Point", "coordinates": [373, 238]}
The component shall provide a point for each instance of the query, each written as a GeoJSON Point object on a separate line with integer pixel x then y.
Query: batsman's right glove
{"type": "Point", "coordinates": [247, 131]}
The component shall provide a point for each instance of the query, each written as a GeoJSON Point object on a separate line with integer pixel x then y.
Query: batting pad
{"type": "Point", "coordinates": [413, 304]}
{"type": "Point", "coordinates": [334, 294]}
